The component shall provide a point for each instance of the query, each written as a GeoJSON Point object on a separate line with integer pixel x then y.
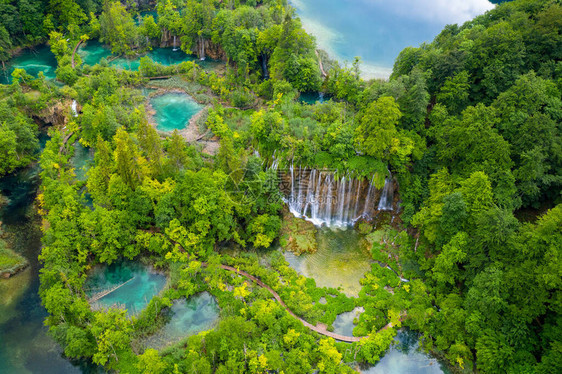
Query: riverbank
{"type": "Point", "coordinates": [11, 263]}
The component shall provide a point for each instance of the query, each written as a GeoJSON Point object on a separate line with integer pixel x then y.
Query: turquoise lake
{"type": "Point", "coordinates": [93, 51]}
{"type": "Point", "coordinates": [139, 285]}
{"type": "Point", "coordinates": [377, 30]}
{"type": "Point", "coordinates": [33, 61]}
{"type": "Point", "coordinates": [173, 110]}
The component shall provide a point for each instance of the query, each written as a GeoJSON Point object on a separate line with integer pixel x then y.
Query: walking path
{"type": "Point", "coordinates": [321, 329]}
{"type": "Point", "coordinates": [74, 52]}
{"type": "Point", "coordinates": [320, 64]}
{"type": "Point", "coordinates": [99, 295]}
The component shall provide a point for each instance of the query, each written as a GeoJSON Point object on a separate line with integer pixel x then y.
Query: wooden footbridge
{"type": "Point", "coordinates": [321, 329]}
{"type": "Point", "coordinates": [106, 291]}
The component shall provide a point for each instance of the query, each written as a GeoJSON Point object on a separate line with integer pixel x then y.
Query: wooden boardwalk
{"type": "Point", "coordinates": [319, 329]}
{"type": "Point", "coordinates": [74, 52]}
{"type": "Point", "coordinates": [106, 292]}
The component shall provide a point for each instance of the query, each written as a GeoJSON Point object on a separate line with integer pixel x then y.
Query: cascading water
{"type": "Point", "coordinates": [202, 49]}
{"type": "Point", "coordinates": [321, 198]}
{"type": "Point", "coordinates": [74, 108]}
{"type": "Point", "coordinates": [264, 67]}
{"type": "Point", "coordinates": [174, 48]}
{"type": "Point", "coordinates": [385, 203]}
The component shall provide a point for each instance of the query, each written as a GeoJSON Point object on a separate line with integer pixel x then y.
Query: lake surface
{"type": "Point", "coordinates": [377, 30]}
{"type": "Point", "coordinates": [339, 260]}
{"type": "Point", "coordinates": [344, 325]}
{"type": "Point", "coordinates": [93, 52]}
{"type": "Point", "coordinates": [33, 60]}
{"type": "Point", "coordinates": [139, 285]}
{"type": "Point", "coordinates": [173, 110]}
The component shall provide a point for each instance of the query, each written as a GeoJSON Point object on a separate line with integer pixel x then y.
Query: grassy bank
{"type": "Point", "coordinates": [10, 262]}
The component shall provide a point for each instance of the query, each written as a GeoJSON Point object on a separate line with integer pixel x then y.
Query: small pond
{"type": "Point", "coordinates": [344, 325]}
{"type": "Point", "coordinates": [138, 284]}
{"type": "Point", "coordinates": [186, 317]}
{"type": "Point", "coordinates": [173, 110]}
{"type": "Point", "coordinates": [406, 357]}
{"type": "Point", "coordinates": [339, 261]}
{"type": "Point", "coordinates": [312, 97]}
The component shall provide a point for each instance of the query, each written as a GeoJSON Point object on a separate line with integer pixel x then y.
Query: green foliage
{"type": "Point", "coordinates": [18, 138]}
{"type": "Point", "coordinates": [117, 28]}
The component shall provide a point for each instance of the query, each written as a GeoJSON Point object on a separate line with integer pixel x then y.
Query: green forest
{"type": "Point", "coordinates": [469, 126]}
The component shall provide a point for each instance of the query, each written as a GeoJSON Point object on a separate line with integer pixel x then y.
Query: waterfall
{"type": "Point", "coordinates": [264, 67]}
{"type": "Point", "coordinates": [74, 108]}
{"type": "Point", "coordinates": [365, 213]}
{"type": "Point", "coordinates": [174, 49]}
{"type": "Point", "coordinates": [275, 162]}
{"type": "Point", "coordinates": [201, 49]}
{"type": "Point", "coordinates": [321, 198]}
{"type": "Point", "coordinates": [385, 202]}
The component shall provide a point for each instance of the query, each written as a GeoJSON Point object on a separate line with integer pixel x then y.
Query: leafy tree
{"type": "Point", "coordinates": [117, 28]}
{"type": "Point", "coordinates": [377, 128]}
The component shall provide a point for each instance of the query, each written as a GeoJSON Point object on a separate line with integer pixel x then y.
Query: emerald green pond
{"type": "Point", "coordinates": [173, 110]}
{"type": "Point", "coordinates": [186, 317]}
{"type": "Point", "coordinates": [33, 61]}
{"type": "Point", "coordinates": [140, 284]}
{"type": "Point", "coordinates": [339, 260]}
{"type": "Point", "coordinates": [93, 52]}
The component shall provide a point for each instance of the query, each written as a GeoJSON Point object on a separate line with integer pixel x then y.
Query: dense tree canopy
{"type": "Point", "coordinates": [469, 127]}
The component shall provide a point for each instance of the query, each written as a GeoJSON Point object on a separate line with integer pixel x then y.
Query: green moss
{"type": "Point", "coordinates": [298, 235]}
{"type": "Point", "coordinates": [10, 262]}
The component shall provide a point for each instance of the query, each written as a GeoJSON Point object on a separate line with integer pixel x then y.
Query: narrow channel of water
{"type": "Point", "coordinates": [81, 160]}
{"type": "Point", "coordinates": [25, 346]}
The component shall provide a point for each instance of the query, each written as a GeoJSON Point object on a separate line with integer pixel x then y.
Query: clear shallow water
{"type": "Point", "coordinates": [312, 97]}
{"type": "Point", "coordinates": [142, 284]}
{"type": "Point", "coordinates": [81, 161]}
{"type": "Point", "coordinates": [339, 260]}
{"type": "Point", "coordinates": [173, 110]}
{"type": "Point", "coordinates": [343, 324]}
{"type": "Point", "coordinates": [93, 51]}
{"type": "Point", "coordinates": [186, 317]}
{"type": "Point", "coordinates": [377, 30]}
{"type": "Point", "coordinates": [406, 358]}
{"type": "Point", "coordinates": [33, 60]}
{"type": "Point", "coordinates": [25, 346]}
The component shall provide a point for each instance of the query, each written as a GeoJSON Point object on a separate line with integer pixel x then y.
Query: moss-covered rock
{"type": "Point", "coordinates": [297, 234]}
{"type": "Point", "coordinates": [10, 262]}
